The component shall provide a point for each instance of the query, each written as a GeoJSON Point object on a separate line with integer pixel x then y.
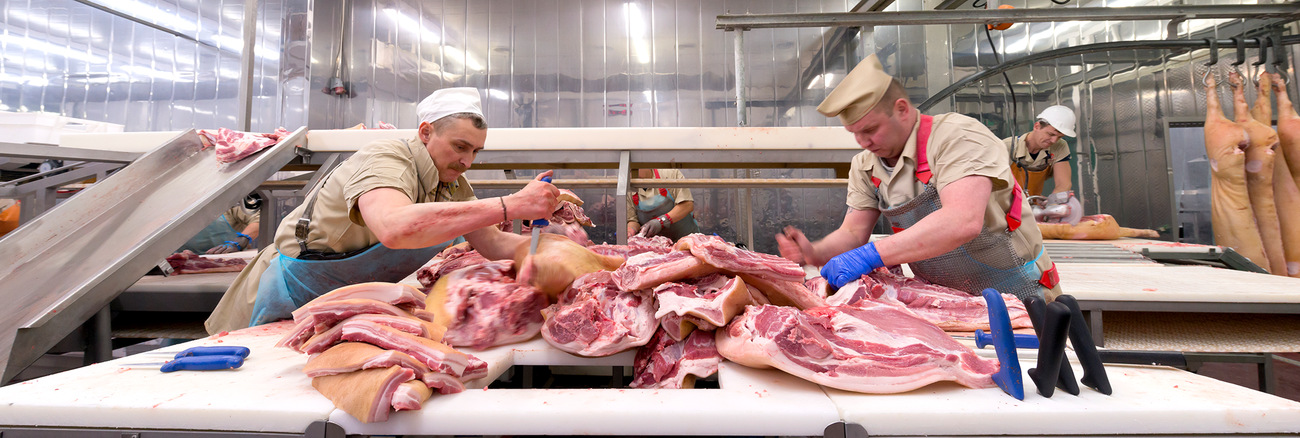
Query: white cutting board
{"type": "Point", "coordinates": [268, 394]}
{"type": "Point", "coordinates": [1146, 400]}
{"type": "Point", "coordinates": [750, 402]}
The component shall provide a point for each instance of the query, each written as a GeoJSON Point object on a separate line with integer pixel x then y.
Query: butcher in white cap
{"type": "Point", "coordinates": [383, 213]}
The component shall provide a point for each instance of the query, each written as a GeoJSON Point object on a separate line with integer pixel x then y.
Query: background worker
{"type": "Point", "coordinates": [661, 212]}
{"type": "Point", "coordinates": [946, 187]}
{"type": "Point", "coordinates": [1041, 154]}
{"type": "Point", "coordinates": [235, 230]}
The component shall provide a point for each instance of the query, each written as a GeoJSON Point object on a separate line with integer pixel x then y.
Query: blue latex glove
{"type": "Point", "coordinates": [852, 265]}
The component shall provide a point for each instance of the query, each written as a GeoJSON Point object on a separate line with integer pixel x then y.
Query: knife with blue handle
{"type": "Point", "coordinates": [537, 225]}
{"type": "Point", "coordinates": [1022, 340]}
{"type": "Point", "coordinates": [208, 351]}
{"type": "Point", "coordinates": [196, 363]}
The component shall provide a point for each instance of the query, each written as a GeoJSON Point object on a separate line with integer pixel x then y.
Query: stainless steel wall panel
{"type": "Point", "coordinates": [638, 33]}
{"type": "Point", "coordinates": [690, 59]}
{"type": "Point", "coordinates": [593, 91]}
{"type": "Point", "coordinates": [548, 49]}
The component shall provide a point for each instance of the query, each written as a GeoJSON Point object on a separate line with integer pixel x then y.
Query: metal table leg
{"type": "Point", "coordinates": [1266, 382]}
{"type": "Point", "coordinates": [100, 345]}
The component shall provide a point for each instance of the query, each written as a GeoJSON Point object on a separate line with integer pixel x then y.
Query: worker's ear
{"type": "Point", "coordinates": [425, 132]}
{"type": "Point", "coordinates": [902, 107]}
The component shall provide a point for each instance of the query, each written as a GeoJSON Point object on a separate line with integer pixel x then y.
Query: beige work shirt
{"type": "Point", "coordinates": [679, 195]}
{"type": "Point", "coordinates": [239, 217]}
{"type": "Point", "coordinates": [959, 146]}
{"type": "Point", "coordinates": [336, 224]}
{"type": "Point", "coordinates": [1019, 150]}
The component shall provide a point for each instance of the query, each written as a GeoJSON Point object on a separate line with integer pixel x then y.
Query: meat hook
{"type": "Point", "coordinates": [1214, 59]}
{"type": "Point", "coordinates": [1263, 58]}
{"type": "Point", "coordinates": [1241, 55]}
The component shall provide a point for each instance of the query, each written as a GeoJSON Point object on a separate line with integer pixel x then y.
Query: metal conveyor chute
{"type": "Point", "coordinates": [62, 267]}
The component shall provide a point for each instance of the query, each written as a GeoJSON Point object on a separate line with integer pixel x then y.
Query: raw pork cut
{"type": "Point", "coordinates": [649, 270]}
{"type": "Point", "coordinates": [355, 356]}
{"type": "Point", "coordinates": [1096, 227]}
{"type": "Point", "coordinates": [438, 356]}
{"type": "Point", "coordinates": [595, 318]}
{"type": "Point", "coordinates": [659, 241]}
{"type": "Point", "coordinates": [706, 303]}
{"type": "Point", "coordinates": [627, 251]}
{"type": "Point", "coordinates": [445, 264]}
{"type": "Point", "coordinates": [187, 262]}
{"type": "Point", "coordinates": [665, 363]}
{"type": "Point", "coordinates": [717, 252]}
{"type": "Point", "coordinates": [366, 395]}
{"type": "Point", "coordinates": [325, 339]}
{"type": "Point", "coordinates": [233, 146]}
{"type": "Point", "coordinates": [410, 396]}
{"type": "Point", "coordinates": [573, 231]}
{"type": "Point", "coordinates": [1288, 131]}
{"type": "Point", "coordinates": [391, 293]}
{"type": "Point", "coordinates": [1259, 177]}
{"type": "Point", "coordinates": [949, 308]}
{"type": "Point", "coordinates": [557, 263]}
{"type": "Point", "coordinates": [483, 307]}
{"type": "Point", "coordinates": [1225, 146]}
{"type": "Point", "coordinates": [1285, 191]}
{"type": "Point", "coordinates": [785, 293]}
{"type": "Point", "coordinates": [876, 348]}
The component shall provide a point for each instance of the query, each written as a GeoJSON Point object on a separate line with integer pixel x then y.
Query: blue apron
{"type": "Point", "coordinates": [289, 283]}
{"type": "Point", "coordinates": [215, 234]}
{"type": "Point", "coordinates": [658, 204]}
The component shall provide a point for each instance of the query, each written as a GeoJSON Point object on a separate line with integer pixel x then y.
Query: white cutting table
{"type": "Point", "coordinates": [271, 395]}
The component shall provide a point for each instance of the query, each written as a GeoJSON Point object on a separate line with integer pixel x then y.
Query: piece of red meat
{"type": "Point", "coordinates": [627, 251]}
{"type": "Point", "coordinates": [717, 252]}
{"type": "Point", "coordinates": [705, 303]}
{"type": "Point", "coordinates": [187, 262]}
{"type": "Point", "coordinates": [595, 318]}
{"type": "Point", "coordinates": [445, 264]}
{"type": "Point", "coordinates": [871, 348]}
{"type": "Point", "coordinates": [666, 363]}
{"type": "Point", "coordinates": [233, 146]}
{"type": "Point", "coordinates": [649, 270]}
{"type": "Point", "coordinates": [949, 308]}
{"type": "Point", "coordinates": [483, 306]}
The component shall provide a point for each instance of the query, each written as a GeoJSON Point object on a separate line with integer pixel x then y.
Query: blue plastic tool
{"type": "Point", "coordinates": [537, 225]}
{"type": "Point", "coordinates": [197, 363]}
{"type": "Point", "coordinates": [209, 351]}
{"type": "Point", "coordinates": [1022, 341]}
{"type": "Point", "coordinates": [1008, 376]}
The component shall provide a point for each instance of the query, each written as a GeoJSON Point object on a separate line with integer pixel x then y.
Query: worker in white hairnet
{"type": "Point", "coordinates": [235, 230]}
{"type": "Point", "coordinates": [1042, 153]}
{"type": "Point", "coordinates": [382, 214]}
{"type": "Point", "coordinates": [658, 211]}
{"type": "Point", "coordinates": [945, 185]}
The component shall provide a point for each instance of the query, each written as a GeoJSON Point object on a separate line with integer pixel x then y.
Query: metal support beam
{"type": "Point", "coordinates": [41, 152]}
{"type": "Point", "coordinates": [620, 196]}
{"type": "Point", "coordinates": [245, 100]}
{"type": "Point", "coordinates": [742, 119]}
{"type": "Point", "coordinates": [993, 16]}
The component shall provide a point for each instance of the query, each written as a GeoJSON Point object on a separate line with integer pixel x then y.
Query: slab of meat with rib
{"type": "Point", "coordinates": [627, 251]}
{"type": "Point", "coordinates": [327, 338]}
{"type": "Point", "coordinates": [400, 295]}
{"type": "Point", "coordinates": [656, 241]}
{"type": "Point", "coordinates": [437, 356]}
{"type": "Point", "coordinates": [649, 270]}
{"type": "Point", "coordinates": [717, 252]}
{"type": "Point", "coordinates": [950, 309]}
{"type": "Point", "coordinates": [705, 303]}
{"type": "Point", "coordinates": [482, 306]}
{"type": "Point", "coordinates": [187, 262]}
{"type": "Point", "coordinates": [875, 348]}
{"type": "Point", "coordinates": [233, 146]}
{"type": "Point", "coordinates": [445, 263]}
{"type": "Point", "coordinates": [355, 356]}
{"type": "Point", "coordinates": [666, 363]}
{"type": "Point", "coordinates": [594, 317]}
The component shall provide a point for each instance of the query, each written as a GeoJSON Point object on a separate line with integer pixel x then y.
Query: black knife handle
{"type": "Point", "coordinates": [1094, 373]}
{"type": "Point", "coordinates": [1051, 349]}
{"type": "Point", "coordinates": [1037, 308]}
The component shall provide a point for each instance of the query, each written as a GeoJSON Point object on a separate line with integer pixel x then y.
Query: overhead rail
{"type": "Point", "coordinates": [1085, 49]}
{"type": "Point", "coordinates": [742, 22]}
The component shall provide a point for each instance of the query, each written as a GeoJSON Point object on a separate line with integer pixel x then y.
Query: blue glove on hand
{"type": "Point", "coordinates": [852, 265]}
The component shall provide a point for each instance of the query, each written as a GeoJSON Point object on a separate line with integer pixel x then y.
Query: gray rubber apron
{"type": "Point", "coordinates": [658, 204]}
{"type": "Point", "coordinates": [215, 234]}
{"type": "Point", "coordinates": [987, 261]}
{"type": "Point", "coordinates": [290, 282]}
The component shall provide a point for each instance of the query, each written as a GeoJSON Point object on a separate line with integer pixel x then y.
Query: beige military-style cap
{"type": "Point", "coordinates": [858, 93]}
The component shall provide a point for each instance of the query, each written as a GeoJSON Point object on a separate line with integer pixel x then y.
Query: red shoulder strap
{"type": "Point", "coordinates": [875, 181]}
{"type": "Point", "coordinates": [1013, 213]}
{"type": "Point", "coordinates": [922, 160]}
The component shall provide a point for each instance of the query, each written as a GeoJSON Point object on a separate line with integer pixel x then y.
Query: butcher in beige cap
{"type": "Point", "coordinates": [945, 184]}
{"type": "Point", "coordinates": [382, 214]}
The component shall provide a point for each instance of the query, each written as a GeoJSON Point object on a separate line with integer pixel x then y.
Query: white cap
{"type": "Point", "coordinates": [1060, 117]}
{"type": "Point", "coordinates": [448, 101]}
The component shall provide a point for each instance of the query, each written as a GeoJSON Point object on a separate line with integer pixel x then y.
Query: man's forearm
{"type": "Point", "coordinates": [431, 223]}
{"type": "Point", "coordinates": [494, 244]}
{"type": "Point", "coordinates": [680, 210]}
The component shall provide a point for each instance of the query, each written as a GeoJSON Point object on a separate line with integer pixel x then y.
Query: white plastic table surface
{"type": "Point", "coordinates": [268, 394]}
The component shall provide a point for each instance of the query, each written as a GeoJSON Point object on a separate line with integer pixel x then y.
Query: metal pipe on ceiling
{"type": "Point", "coordinates": [1085, 49]}
{"type": "Point", "coordinates": [993, 16]}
